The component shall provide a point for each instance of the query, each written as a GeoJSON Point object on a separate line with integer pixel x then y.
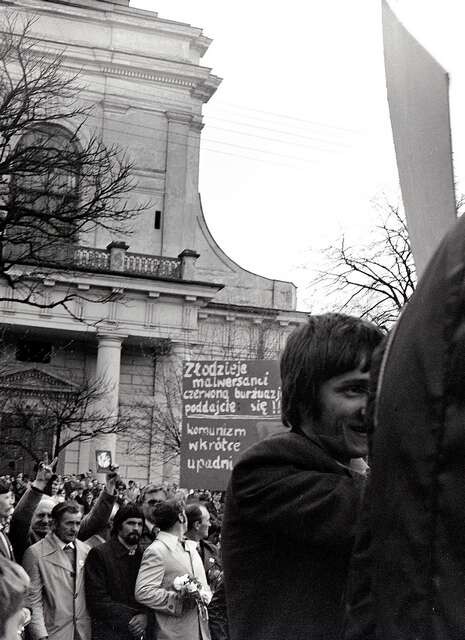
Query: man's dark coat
{"type": "Point", "coordinates": [211, 563]}
{"type": "Point", "coordinates": [409, 571]}
{"type": "Point", "coordinates": [287, 535]}
{"type": "Point", "coordinates": [110, 576]}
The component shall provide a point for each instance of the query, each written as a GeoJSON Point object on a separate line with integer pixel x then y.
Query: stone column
{"type": "Point", "coordinates": [180, 351]}
{"type": "Point", "coordinates": [107, 374]}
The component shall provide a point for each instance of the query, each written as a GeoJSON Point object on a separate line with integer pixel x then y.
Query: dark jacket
{"type": "Point", "coordinates": [110, 579]}
{"type": "Point", "coordinates": [217, 615]}
{"type": "Point", "coordinates": [409, 571]}
{"type": "Point", "coordinates": [211, 563]}
{"type": "Point", "coordinates": [147, 537]}
{"type": "Point", "coordinates": [287, 535]}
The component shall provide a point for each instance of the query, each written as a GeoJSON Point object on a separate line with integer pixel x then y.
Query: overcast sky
{"type": "Point", "coordinates": [297, 142]}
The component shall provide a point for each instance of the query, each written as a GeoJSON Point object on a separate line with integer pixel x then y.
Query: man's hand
{"type": "Point", "coordinates": [189, 600]}
{"type": "Point", "coordinates": [137, 624]}
{"type": "Point", "coordinates": [44, 475]}
{"type": "Point", "coordinates": [111, 480]}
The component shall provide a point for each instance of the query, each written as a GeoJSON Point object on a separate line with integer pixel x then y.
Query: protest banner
{"type": "Point", "coordinates": [103, 460]}
{"type": "Point", "coordinates": [227, 406]}
{"type": "Point", "coordinates": [418, 97]}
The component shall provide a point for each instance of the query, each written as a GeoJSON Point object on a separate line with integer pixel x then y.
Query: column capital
{"type": "Point", "coordinates": [111, 336]}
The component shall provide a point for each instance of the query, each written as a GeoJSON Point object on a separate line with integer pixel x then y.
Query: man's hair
{"type": "Point", "coordinates": [151, 488]}
{"type": "Point", "coordinates": [5, 485]}
{"type": "Point", "coordinates": [14, 583]}
{"type": "Point", "coordinates": [327, 346]}
{"type": "Point", "coordinates": [166, 514]}
{"type": "Point", "coordinates": [45, 500]}
{"type": "Point", "coordinates": [126, 512]}
{"type": "Point", "coordinates": [61, 508]}
{"type": "Point", "coordinates": [194, 514]}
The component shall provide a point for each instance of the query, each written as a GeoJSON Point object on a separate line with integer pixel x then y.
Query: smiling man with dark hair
{"type": "Point", "coordinates": [293, 499]}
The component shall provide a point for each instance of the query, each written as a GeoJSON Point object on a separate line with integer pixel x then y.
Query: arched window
{"type": "Point", "coordinates": [44, 187]}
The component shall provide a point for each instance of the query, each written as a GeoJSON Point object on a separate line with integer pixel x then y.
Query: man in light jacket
{"type": "Point", "coordinates": [55, 566]}
{"type": "Point", "coordinates": [179, 616]}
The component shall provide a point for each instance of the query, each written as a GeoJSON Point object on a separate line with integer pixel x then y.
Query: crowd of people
{"type": "Point", "coordinates": [81, 544]}
{"type": "Point", "coordinates": [288, 563]}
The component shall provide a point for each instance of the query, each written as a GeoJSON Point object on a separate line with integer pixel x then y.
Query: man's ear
{"type": "Point", "coordinates": [197, 524]}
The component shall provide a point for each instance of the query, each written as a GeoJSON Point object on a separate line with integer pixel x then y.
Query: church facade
{"type": "Point", "coordinates": [170, 292]}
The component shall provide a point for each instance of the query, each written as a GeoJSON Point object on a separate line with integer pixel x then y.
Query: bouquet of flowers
{"type": "Point", "coordinates": [192, 589]}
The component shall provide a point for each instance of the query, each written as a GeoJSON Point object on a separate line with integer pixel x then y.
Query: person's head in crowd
{"type": "Point", "coordinates": [66, 520]}
{"type": "Point", "coordinates": [14, 584]}
{"type": "Point", "coordinates": [193, 498]}
{"type": "Point", "coordinates": [324, 374]}
{"type": "Point", "coordinates": [198, 522]}
{"type": "Point", "coordinates": [7, 500]}
{"type": "Point", "coordinates": [151, 495]}
{"type": "Point", "coordinates": [205, 496]}
{"type": "Point", "coordinates": [73, 489]}
{"type": "Point", "coordinates": [170, 516]}
{"type": "Point", "coordinates": [87, 500]}
{"type": "Point", "coordinates": [121, 492]}
{"type": "Point", "coordinates": [54, 487]}
{"type": "Point", "coordinates": [127, 524]}
{"type": "Point", "coordinates": [42, 519]}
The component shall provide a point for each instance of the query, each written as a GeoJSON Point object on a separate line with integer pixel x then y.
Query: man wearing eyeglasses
{"type": "Point", "coordinates": [151, 495]}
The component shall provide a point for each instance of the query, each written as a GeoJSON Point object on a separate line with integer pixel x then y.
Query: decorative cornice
{"type": "Point", "coordinates": [140, 74]}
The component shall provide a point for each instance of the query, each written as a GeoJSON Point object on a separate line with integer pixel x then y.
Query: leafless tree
{"type": "Point", "coordinates": [38, 423]}
{"type": "Point", "coordinates": [57, 179]}
{"type": "Point", "coordinates": [373, 281]}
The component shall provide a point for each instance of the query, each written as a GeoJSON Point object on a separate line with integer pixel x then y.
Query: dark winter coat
{"type": "Point", "coordinates": [287, 535]}
{"type": "Point", "coordinates": [409, 572]}
{"type": "Point", "coordinates": [211, 563]}
{"type": "Point", "coordinates": [110, 575]}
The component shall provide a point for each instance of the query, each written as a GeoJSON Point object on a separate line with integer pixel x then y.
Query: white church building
{"type": "Point", "coordinates": [172, 292]}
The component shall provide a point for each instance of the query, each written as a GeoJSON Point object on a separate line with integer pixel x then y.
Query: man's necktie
{"type": "Point", "coordinates": [69, 550]}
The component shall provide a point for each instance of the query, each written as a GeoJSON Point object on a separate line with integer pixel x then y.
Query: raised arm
{"type": "Point", "coordinates": [24, 510]}
{"type": "Point", "coordinates": [98, 517]}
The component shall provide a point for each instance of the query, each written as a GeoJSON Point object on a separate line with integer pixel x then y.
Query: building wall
{"type": "Point", "coordinates": [145, 79]}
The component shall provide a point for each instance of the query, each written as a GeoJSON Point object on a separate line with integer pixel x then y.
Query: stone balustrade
{"type": "Point", "coordinates": [116, 258]}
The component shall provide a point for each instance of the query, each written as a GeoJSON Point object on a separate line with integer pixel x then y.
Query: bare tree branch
{"type": "Point", "coordinates": [55, 420]}
{"type": "Point", "coordinates": [58, 180]}
{"type": "Point", "coordinates": [374, 280]}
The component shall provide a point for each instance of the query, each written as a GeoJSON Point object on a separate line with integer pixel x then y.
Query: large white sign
{"type": "Point", "coordinates": [418, 96]}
